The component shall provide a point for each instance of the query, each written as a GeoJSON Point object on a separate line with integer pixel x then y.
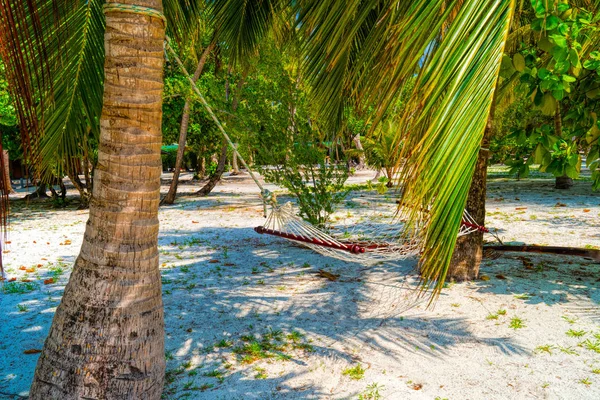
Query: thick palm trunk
{"type": "Point", "coordinates": [183, 130]}
{"type": "Point", "coordinates": [107, 336]}
{"type": "Point", "coordinates": [469, 248]}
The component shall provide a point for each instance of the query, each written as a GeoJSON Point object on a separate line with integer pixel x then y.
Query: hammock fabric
{"type": "Point", "coordinates": [365, 238]}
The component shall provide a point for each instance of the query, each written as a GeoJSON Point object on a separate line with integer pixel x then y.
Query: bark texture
{"type": "Point", "coordinates": [183, 130]}
{"type": "Point", "coordinates": [107, 336]}
{"type": "Point", "coordinates": [6, 184]}
{"type": "Point", "coordinates": [216, 177]}
{"type": "Point", "coordinates": [468, 251]}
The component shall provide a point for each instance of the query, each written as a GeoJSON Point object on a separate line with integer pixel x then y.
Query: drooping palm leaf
{"type": "Point", "coordinates": [54, 51]}
{"type": "Point", "coordinates": [242, 24]}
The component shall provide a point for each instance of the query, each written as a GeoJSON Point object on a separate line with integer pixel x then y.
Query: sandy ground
{"type": "Point", "coordinates": [248, 318]}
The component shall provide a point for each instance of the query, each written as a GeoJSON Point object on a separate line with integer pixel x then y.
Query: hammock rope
{"type": "Point", "coordinates": [383, 237]}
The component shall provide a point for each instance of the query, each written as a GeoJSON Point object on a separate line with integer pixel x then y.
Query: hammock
{"type": "Point", "coordinates": [367, 239]}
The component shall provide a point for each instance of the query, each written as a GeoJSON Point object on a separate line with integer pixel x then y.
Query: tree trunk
{"type": "Point", "coordinates": [40, 193]}
{"type": "Point", "coordinates": [234, 162]}
{"type": "Point", "coordinates": [563, 182]}
{"type": "Point", "coordinates": [84, 190]}
{"type": "Point", "coordinates": [107, 337]}
{"type": "Point", "coordinates": [183, 130]}
{"type": "Point", "coordinates": [7, 186]}
{"type": "Point", "coordinates": [361, 155]}
{"type": "Point", "coordinates": [468, 251]}
{"type": "Point", "coordinates": [216, 177]}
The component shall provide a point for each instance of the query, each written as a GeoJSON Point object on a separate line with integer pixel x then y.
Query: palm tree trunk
{"type": "Point", "coordinates": [107, 336]}
{"type": "Point", "coordinates": [468, 251]}
{"type": "Point", "coordinates": [185, 121]}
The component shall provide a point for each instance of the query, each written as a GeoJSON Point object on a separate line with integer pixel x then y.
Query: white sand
{"type": "Point", "coordinates": [369, 316]}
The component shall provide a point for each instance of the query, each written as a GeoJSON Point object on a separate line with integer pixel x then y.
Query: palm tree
{"type": "Point", "coordinates": [107, 337]}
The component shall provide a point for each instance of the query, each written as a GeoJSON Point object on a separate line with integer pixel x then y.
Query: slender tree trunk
{"type": "Point", "coordinates": [361, 155]}
{"type": "Point", "coordinates": [7, 186]}
{"type": "Point", "coordinates": [84, 190]}
{"type": "Point", "coordinates": [107, 337]}
{"type": "Point", "coordinates": [40, 193]}
{"type": "Point", "coordinates": [216, 177]}
{"type": "Point", "coordinates": [561, 182]}
{"type": "Point", "coordinates": [183, 130]}
{"type": "Point", "coordinates": [234, 162]}
{"type": "Point", "coordinates": [469, 248]}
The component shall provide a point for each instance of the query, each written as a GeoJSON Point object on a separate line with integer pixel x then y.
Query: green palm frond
{"type": "Point", "coordinates": [453, 48]}
{"type": "Point", "coordinates": [453, 96]}
{"type": "Point", "coordinates": [55, 55]}
{"type": "Point", "coordinates": [54, 51]}
{"type": "Point", "coordinates": [242, 24]}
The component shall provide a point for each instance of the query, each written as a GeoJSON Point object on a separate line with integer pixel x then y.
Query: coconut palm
{"type": "Point", "coordinates": [107, 339]}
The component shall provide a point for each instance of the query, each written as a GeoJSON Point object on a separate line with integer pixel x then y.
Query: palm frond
{"type": "Point", "coordinates": [453, 95]}
{"type": "Point", "coordinates": [453, 48]}
{"type": "Point", "coordinates": [241, 24]}
{"type": "Point", "coordinates": [54, 51]}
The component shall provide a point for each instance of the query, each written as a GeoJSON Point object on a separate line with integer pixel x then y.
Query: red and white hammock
{"type": "Point", "coordinates": [365, 238]}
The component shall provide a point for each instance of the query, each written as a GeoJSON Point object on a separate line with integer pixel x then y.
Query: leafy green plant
{"type": "Point", "coordinates": [372, 392]}
{"type": "Point", "coordinates": [317, 184]}
{"type": "Point", "coordinates": [516, 323]}
{"type": "Point", "coordinates": [357, 372]}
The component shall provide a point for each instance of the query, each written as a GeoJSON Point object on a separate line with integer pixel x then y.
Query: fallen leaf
{"type": "Point", "coordinates": [214, 261]}
{"type": "Point", "coordinates": [32, 351]}
{"type": "Point", "coordinates": [23, 268]}
{"type": "Point", "coordinates": [49, 281]}
{"type": "Point", "coordinates": [586, 210]}
{"type": "Point", "coordinates": [484, 278]}
{"type": "Point", "coordinates": [40, 265]}
{"type": "Point", "coordinates": [8, 242]}
{"type": "Point", "coordinates": [30, 270]}
{"type": "Point", "coordinates": [500, 276]}
{"type": "Point", "coordinates": [6, 251]}
{"type": "Point", "coordinates": [229, 264]}
{"type": "Point", "coordinates": [195, 222]}
{"type": "Point", "coordinates": [26, 280]}
{"type": "Point", "coordinates": [559, 204]}
{"type": "Point", "coordinates": [417, 386]}
{"type": "Point", "coordinates": [328, 275]}
{"type": "Point", "coordinates": [12, 279]}
{"type": "Point", "coordinates": [520, 208]}
{"type": "Point", "coordinates": [45, 259]}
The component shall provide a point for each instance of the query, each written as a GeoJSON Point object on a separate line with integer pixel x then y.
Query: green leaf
{"type": "Point", "coordinates": [559, 53]}
{"type": "Point", "coordinates": [552, 22]}
{"type": "Point", "coordinates": [519, 62]}
{"type": "Point", "coordinates": [558, 94]}
{"type": "Point", "coordinates": [548, 106]}
{"type": "Point", "coordinates": [574, 58]}
{"type": "Point", "coordinates": [559, 40]}
{"type": "Point", "coordinates": [569, 78]}
{"type": "Point", "coordinates": [562, 7]}
{"type": "Point", "coordinates": [561, 67]}
{"type": "Point", "coordinates": [544, 74]}
{"type": "Point", "coordinates": [545, 44]}
{"type": "Point", "coordinates": [591, 64]}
